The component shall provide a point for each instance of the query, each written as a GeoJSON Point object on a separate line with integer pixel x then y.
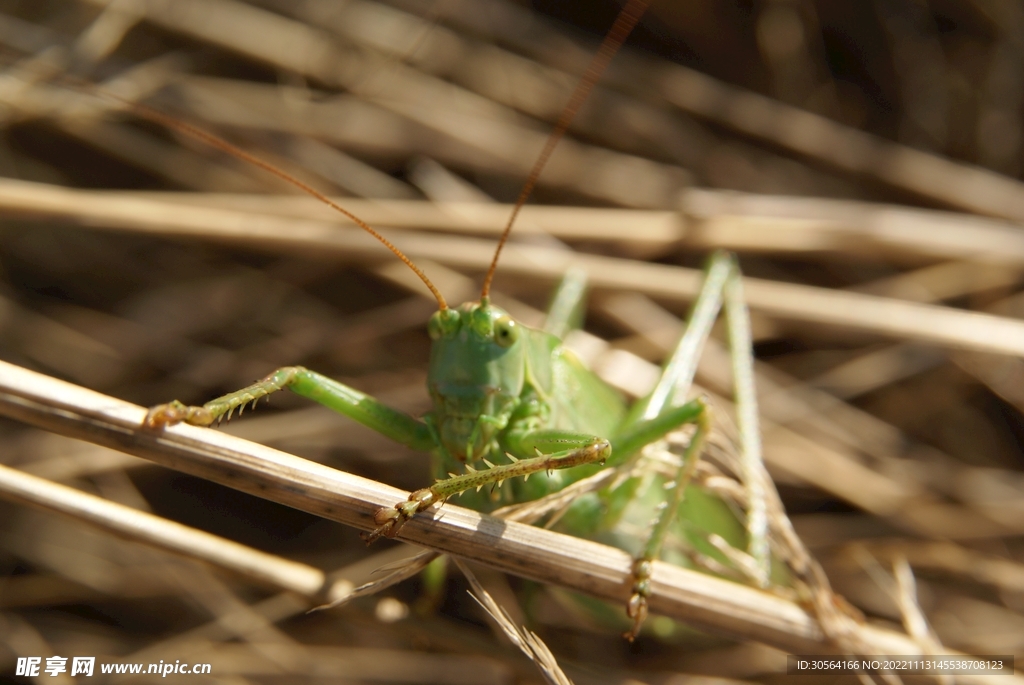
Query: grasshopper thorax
{"type": "Point", "coordinates": [477, 372]}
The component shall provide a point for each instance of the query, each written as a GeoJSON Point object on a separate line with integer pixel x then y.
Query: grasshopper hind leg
{"type": "Point", "coordinates": [566, 311]}
{"type": "Point", "coordinates": [722, 284]}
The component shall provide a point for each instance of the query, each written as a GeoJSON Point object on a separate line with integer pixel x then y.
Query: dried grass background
{"type": "Point", "coordinates": [862, 158]}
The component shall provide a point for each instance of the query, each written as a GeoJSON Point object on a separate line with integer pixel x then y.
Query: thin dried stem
{"type": "Point", "coordinates": [160, 532]}
{"type": "Point", "coordinates": [884, 316]}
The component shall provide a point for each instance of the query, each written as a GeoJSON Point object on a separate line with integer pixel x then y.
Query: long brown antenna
{"type": "Point", "coordinates": [624, 23]}
{"type": "Point", "coordinates": [223, 145]}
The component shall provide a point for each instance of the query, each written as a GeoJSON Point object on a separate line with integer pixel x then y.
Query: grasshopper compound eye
{"type": "Point", "coordinates": [506, 332]}
{"type": "Point", "coordinates": [442, 323]}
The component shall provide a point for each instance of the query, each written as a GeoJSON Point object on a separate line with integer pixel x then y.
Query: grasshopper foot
{"type": "Point", "coordinates": [175, 412]}
{"type": "Point", "coordinates": [636, 608]}
{"type": "Point", "coordinates": [390, 520]}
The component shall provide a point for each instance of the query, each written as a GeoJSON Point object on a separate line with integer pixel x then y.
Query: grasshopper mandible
{"type": "Point", "coordinates": [511, 402]}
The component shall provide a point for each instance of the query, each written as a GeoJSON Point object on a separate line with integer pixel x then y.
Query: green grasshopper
{"type": "Point", "coordinates": [513, 404]}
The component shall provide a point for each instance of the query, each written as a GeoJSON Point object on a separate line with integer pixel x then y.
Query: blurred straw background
{"type": "Point", "coordinates": [862, 158]}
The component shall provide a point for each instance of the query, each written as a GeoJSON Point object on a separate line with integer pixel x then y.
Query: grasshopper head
{"type": "Point", "coordinates": [477, 371]}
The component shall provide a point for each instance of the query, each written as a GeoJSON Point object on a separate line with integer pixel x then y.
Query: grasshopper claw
{"type": "Point", "coordinates": [636, 608]}
{"type": "Point", "coordinates": [390, 520]}
{"type": "Point", "coordinates": [175, 412]}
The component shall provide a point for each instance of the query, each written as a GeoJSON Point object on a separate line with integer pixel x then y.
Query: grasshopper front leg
{"type": "Point", "coordinates": [578, 449]}
{"type": "Point", "coordinates": [389, 422]}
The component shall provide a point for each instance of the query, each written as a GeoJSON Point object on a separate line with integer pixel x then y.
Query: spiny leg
{"type": "Point", "coordinates": [392, 423]}
{"type": "Point", "coordinates": [221, 408]}
{"type": "Point", "coordinates": [582, 449]}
